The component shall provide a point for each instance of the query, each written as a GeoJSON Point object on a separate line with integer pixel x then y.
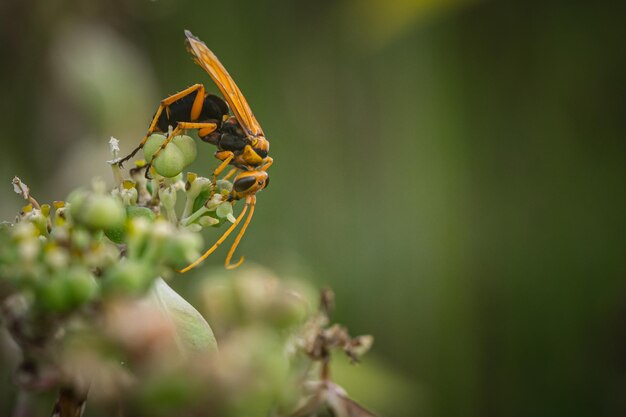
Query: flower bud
{"type": "Point", "coordinates": [96, 211]}
{"type": "Point", "coordinates": [102, 212]}
{"type": "Point", "coordinates": [224, 210]}
{"type": "Point", "coordinates": [168, 197]}
{"type": "Point", "coordinates": [181, 249]}
{"type": "Point", "coordinates": [118, 234]}
{"type": "Point", "coordinates": [67, 289]}
{"type": "Point", "coordinates": [208, 221]}
{"type": "Point", "coordinates": [129, 277]}
{"type": "Point", "coordinates": [170, 162]}
{"type": "Point", "coordinates": [187, 146]}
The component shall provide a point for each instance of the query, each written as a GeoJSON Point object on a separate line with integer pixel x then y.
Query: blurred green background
{"type": "Point", "coordinates": [454, 170]}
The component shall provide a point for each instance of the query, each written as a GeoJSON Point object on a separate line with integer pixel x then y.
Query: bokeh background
{"type": "Point", "coordinates": [454, 170]}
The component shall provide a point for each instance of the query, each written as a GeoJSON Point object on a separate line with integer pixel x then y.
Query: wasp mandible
{"type": "Point", "coordinates": [239, 139]}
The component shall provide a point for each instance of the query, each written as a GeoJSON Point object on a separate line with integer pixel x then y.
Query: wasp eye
{"type": "Point", "coordinates": [261, 152]}
{"type": "Point", "coordinates": [267, 182]}
{"type": "Point", "coordinates": [242, 184]}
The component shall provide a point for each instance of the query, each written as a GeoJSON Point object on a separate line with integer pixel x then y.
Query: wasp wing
{"type": "Point", "coordinates": [209, 62]}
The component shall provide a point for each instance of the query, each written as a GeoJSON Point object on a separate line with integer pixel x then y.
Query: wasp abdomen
{"type": "Point", "coordinates": [213, 109]}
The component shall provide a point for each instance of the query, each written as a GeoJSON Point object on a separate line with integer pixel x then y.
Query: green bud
{"type": "Point", "coordinates": [208, 221]}
{"type": "Point", "coordinates": [76, 201]}
{"type": "Point", "coordinates": [187, 146]}
{"type": "Point", "coordinates": [81, 238]}
{"type": "Point", "coordinates": [224, 210]}
{"type": "Point", "coordinates": [101, 212]}
{"type": "Point", "coordinates": [153, 143]}
{"type": "Point", "coordinates": [80, 285]}
{"type": "Point", "coordinates": [51, 295]}
{"type": "Point", "coordinates": [129, 277]}
{"type": "Point", "coordinates": [170, 162]}
{"type": "Point", "coordinates": [134, 212]}
{"type": "Point", "coordinates": [138, 235]}
{"type": "Point", "coordinates": [168, 197]}
{"type": "Point", "coordinates": [182, 249]}
{"type": "Point", "coordinates": [66, 290]}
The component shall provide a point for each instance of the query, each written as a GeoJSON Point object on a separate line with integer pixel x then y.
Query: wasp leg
{"type": "Point", "coordinates": [251, 200]}
{"type": "Point", "coordinates": [219, 241]}
{"type": "Point", "coordinates": [267, 163]}
{"type": "Point", "coordinates": [230, 173]}
{"type": "Point", "coordinates": [196, 109]}
{"type": "Point", "coordinates": [226, 157]}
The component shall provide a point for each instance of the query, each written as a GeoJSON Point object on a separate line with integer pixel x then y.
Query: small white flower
{"type": "Point", "coordinates": [114, 145]}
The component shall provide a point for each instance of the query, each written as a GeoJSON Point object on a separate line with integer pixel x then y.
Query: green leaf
{"type": "Point", "coordinates": [193, 333]}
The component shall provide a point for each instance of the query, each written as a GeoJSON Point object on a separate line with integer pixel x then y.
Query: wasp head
{"type": "Point", "coordinates": [248, 183]}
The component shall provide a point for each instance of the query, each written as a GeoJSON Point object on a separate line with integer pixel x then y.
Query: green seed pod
{"type": "Point", "coordinates": [172, 159]}
{"type": "Point", "coordinates": [170, 162]}
{"type": "Point", "coordinates": [135, 211]}
{"type": "Point", "coordinates": [153, 143]}
{"type": "Point", "coordinates": [187, 146]}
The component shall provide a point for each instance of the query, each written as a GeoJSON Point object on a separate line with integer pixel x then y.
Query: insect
{"type": "Point", "coordinates": [239, 139]}
{"type": "Point", "coordinates": [240, 142]}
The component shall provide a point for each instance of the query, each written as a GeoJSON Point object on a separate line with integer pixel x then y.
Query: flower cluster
{"type": "Point", "coordinates": [82, 295]}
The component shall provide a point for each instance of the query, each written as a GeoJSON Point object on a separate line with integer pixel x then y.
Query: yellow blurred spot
{"type": "Point", "coordinates": [379, 22]}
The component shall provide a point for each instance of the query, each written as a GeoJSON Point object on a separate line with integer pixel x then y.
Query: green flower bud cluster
{"type": "Point", "coordinates": [81, 294]}
{"type": "Point", "coordinates": [51, 264]}
{"type": "Point", "coordinates": [67, 255]}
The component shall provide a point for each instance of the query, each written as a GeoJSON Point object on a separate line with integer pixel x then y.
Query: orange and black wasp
{"type": "Point", "coordinates": [239, 139]}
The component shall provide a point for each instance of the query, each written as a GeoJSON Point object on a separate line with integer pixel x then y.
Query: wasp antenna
{"type": "Point", "coordinates": [251, 200]}
{"type": "Point", "coordinates": [218, 243]}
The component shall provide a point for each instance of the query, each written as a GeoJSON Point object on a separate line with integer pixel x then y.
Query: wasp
{"type": "Point", "coordinates": [239, 139]}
